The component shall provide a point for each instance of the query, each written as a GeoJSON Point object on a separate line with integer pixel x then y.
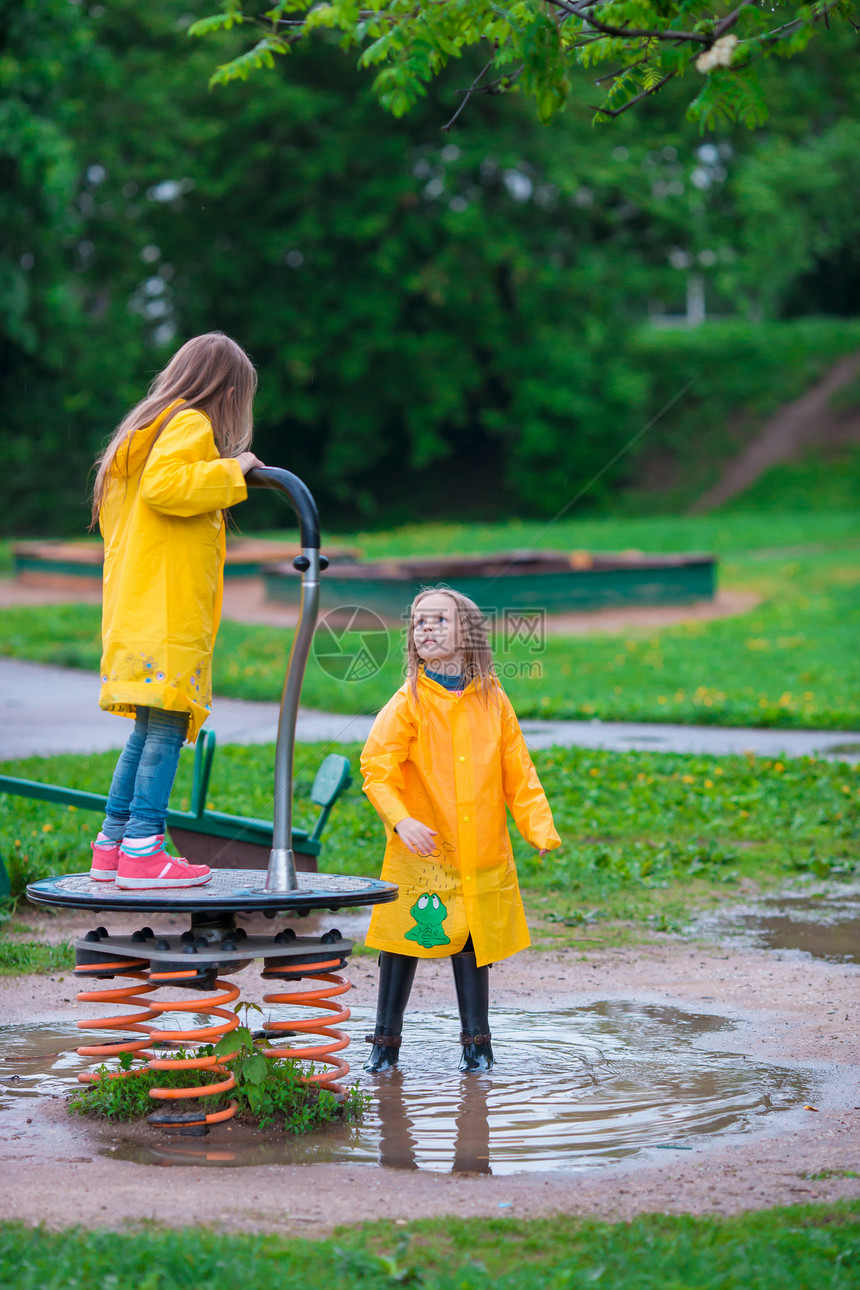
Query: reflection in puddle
{"type": "Point", "coordinates": [571, 1089]}
{"type": "Point", "coordinates": [827, 927]}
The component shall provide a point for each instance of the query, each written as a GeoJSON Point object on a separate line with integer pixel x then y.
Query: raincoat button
{"type": "Point", "coordinates": [462, 759]}
{"type": "Point", "coordinates": [465, 817]}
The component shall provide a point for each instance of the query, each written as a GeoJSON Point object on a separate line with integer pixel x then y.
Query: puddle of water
{"type": "Point", "coordinates": [827, 927]}
{"type": "Point", "coordinates": [572, 1089]}
{"type": "Point", "coordinates": [39, 1060]}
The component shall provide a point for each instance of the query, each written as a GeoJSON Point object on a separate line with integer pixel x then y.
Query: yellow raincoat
{"type": "Point", "coordinates": [453, 762]}
{"type": "Point", "coordinates": [164, 568]}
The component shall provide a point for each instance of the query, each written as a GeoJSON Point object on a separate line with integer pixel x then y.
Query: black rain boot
{"type": "Point", "coordinates": [473, 999]}
{"type": "Point", "coordinates": [396, 974]}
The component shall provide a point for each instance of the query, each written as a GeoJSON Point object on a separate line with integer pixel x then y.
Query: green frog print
{"type": "Point", "coordinates": [429, 914]}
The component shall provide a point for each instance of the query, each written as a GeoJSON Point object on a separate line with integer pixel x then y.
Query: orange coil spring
{"type": "Point", "coordinates": [209, 1006]}
{"type": "Point", "coordinates": [325, 1026]}
{"type": "Point", "coordinates": [135, 1021]}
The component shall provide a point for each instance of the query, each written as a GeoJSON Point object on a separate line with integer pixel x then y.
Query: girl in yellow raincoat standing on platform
{"type": "Point", "coordinates": [173, 464]}
{"type": "Point", "coordinates": [443, 760]}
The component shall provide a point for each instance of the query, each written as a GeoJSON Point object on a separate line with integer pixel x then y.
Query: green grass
{"type": "Point", "coordinates": [806, 1247]}
{"type": "Point", "coordinates": [20, 957]}
{"type": "Point", "coordinates": [63, 635]}
{"type": "Point", "coordinates": [790, 662]}
{"type": "Point", "coordinates": [727, 534]}
{"type": "Point", "coordinates": [817, 482]}
{"type": "Point", "coordinates": [649, 837]}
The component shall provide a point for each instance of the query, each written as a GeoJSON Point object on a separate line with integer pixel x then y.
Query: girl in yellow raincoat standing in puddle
{"type": "Point", "coordinates": [443, 760]}
{"type": "Point", "coordinates": [175, 461]}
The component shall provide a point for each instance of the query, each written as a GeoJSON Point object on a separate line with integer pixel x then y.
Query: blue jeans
{"type": "Point", "coordinates": [144, 775]}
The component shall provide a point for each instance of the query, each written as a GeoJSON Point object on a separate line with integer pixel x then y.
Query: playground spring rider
{"type": "Point", "coordinates": [214, 947]}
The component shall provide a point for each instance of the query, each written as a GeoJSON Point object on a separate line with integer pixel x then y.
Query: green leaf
{"type": "Point", "coordinates": [239, 1040]}
{"type": "Point", "coordinates": [253, 60]}
{"type": "Point", "coordinates": [255, 1069]}
{"type": "Point", "coordinates": [217, 22]}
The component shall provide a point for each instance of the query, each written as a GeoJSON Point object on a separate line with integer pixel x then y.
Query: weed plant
{"type": "Point", "coordinates": [271, 1093]}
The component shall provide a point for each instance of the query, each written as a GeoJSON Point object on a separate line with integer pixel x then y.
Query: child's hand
{"type": "Point", "coordinates": [248, 461]}
{"type": "Point", "coordinates": [417, 836]}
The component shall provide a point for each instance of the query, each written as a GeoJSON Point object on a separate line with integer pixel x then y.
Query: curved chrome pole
{"type": "Point", "coordinates": [282, 867]}
{"type": "Point", "coordinates": [281, 875]}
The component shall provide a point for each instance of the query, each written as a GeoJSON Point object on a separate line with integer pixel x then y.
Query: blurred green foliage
{"type": "Point", "coordinates": [452, 324]}
{"type": "Point", "coordinates": [742, 373]}
{"type": "Point", "coordinates": [539, 49]}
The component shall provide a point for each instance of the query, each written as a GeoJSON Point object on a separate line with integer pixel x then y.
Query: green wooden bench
{"type": "Point", "coordinates": [210, 837]}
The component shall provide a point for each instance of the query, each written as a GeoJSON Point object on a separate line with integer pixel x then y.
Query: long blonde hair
{"type": "Point", "coordinates": [211, 374]}
{"type": "Point", "coordinates": [478, 663]}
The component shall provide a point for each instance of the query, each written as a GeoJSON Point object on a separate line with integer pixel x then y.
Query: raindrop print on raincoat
{"type": "Point", "coordinates": [453, 761]}
{"type": "Point", "coordinates": [164, 568]}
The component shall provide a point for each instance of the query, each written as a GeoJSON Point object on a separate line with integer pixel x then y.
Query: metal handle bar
{"type": "Point", "coordinates": [281, 875]}
{"type": "Point", "coordinates": [297, 494]}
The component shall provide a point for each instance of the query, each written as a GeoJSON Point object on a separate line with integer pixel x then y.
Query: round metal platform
{"type": "Point", "coordinates": [228, 889]}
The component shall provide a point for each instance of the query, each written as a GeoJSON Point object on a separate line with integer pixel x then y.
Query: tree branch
{"type": "Point", "coordinates": [578, 11]}
{"type": "Point", "coordinates": [507, 79]}
{"type": "Point", "coordinates": [730, 19]}
{"type": "Point", "coordinates": [467, 94]}
{"type": "Point", "coordinates": [618, 111]}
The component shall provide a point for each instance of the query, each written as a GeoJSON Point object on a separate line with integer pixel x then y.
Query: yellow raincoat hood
{"type": "Point", "coordinates": [164, 567]}
{"type": "Point", "coordinates": [453, 761]}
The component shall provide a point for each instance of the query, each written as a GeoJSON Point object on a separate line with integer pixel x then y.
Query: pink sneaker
{"type": "Point", "coordinates": [105, 856]}
{"type": "Point", "coordinates": [159, 870]}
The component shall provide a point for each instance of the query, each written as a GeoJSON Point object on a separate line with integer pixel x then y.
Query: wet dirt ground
{"type": "Point", "coordinates": [732, 1046]}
